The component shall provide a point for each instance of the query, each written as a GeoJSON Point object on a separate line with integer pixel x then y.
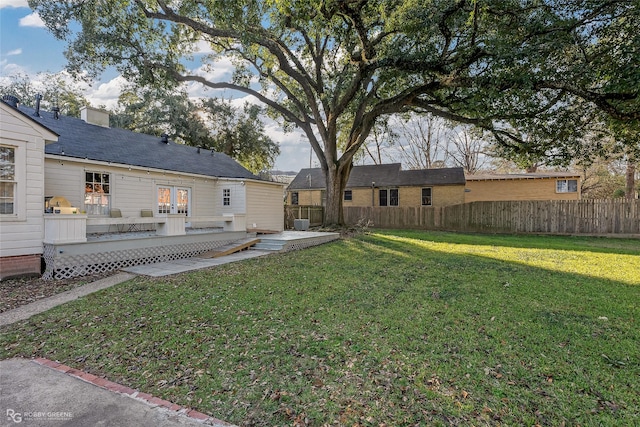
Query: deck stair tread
{"type": "Point", "coordinates": [270, 246]}
{"type": "Point", "coordinates": [230, 248]}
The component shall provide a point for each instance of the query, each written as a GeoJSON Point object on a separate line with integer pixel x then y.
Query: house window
{"type": "Point", "coordinates": [7, 180]}
{"type": "Point", "coordinates": [567, 186]}
{"type": "Point", "coordinates": [394, 199]}
{"type": "Point", "coordinates": [383, 196]}
{"type": "Point", "coordinates": [348, 195]}
{"type": "Point", "coordinates": [226, 197]}
{"type": "Point", "coordinates": [426, 196]}
{"type": "Point", "coordinates": [97, 193]}
{"type": "Point", "coordinates": [389, 197]}
{"type": "Point", "coordinates": [294, 198]}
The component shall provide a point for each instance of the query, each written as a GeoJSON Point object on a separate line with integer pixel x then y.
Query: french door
{"type": "Point", "coordinates": [174, 200]}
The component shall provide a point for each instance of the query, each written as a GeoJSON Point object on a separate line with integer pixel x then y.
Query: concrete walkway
{"type": "Point", "coordinates": [43, 393]}
{"type": "Point", "coordinates": [189, 264]}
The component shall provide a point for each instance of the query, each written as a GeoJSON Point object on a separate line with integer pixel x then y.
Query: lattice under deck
{"type": "Point", "coordinates": [61, 266]}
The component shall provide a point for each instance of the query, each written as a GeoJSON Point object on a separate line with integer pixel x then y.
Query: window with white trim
{"type": "Point", "coordinates": [389, 197]}
{"type": "Point", "coordinates": [8, 181]}
{"type": "Point", "coordinates": [226, 197]}
{"type": "Point", "coordinates": [294, 198]}
{"type": "Point", "coordinates": [348, 195]}
{"type": "Point", "coordinates": [567, 186]}
{"type": "Point", "coordinates": [97, 193]}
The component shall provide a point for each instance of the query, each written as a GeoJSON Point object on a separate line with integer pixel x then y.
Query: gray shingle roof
{"type": "Point", "coordinates": [82, 140]}
{"type": "Point", "coordinates": [442, 176]}
{"type": "Point", "coordinates": [388, 175]}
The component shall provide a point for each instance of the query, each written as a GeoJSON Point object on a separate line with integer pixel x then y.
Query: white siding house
{"type": "Point", "coordinates": [100, 170]}
{"type": "Point", "coordinates": [22, 144]}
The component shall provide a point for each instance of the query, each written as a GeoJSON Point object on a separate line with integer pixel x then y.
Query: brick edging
{"type": "Point", "coordinates": [121, 389]}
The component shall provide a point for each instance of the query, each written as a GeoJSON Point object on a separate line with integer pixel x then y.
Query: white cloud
{"type": "Point", "coordinates": [11, 69]}
{"type": "Point", "coordinates": [13, 3]}
{"type": "Point", "coordinates": [106, 93]}
{"type": "Point", "coordinates": [32, 20]}
{"type": "Point", "coordinates": [14, 52]}
{"type": "Point", "coordinates": [203, 47]}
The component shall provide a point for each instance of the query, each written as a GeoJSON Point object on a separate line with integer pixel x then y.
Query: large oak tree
{"type": "Point", "coordinates": [334, 67]}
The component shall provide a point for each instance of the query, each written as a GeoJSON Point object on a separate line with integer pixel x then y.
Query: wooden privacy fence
{"type": "Point", "coordinates": [314, 214]}
{"type": "Point", "coordinates": [556, 217]}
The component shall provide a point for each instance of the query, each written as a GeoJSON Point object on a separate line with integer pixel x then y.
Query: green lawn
{"type": "Point", "coordinates": [388, 328]}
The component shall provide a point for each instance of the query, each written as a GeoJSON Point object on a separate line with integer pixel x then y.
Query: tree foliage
{"type": "Point", "coordinates": [210, 124]}
{"type": "Point", "coordinates": [333, 68]}
{"type": "Point", "coordinates": [56, 90]}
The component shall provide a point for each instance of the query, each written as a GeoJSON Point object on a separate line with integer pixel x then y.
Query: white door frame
{"type": "Point", "coordinates": [173, 202]}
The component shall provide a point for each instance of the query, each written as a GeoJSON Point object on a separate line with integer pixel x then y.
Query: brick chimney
{"type": "Point", "coordinates": [94, 116]}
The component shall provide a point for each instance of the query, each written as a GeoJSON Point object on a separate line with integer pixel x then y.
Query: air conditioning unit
{"type": "Point", "coordinates": [301, 224]}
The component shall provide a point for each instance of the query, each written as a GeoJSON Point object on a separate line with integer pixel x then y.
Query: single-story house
{"type": "Point", "coordinates": [383, 185]}
{"type": "Point", "coordinates": [523, 186]}
{"type": "Point", "coordinates": [46, 158]}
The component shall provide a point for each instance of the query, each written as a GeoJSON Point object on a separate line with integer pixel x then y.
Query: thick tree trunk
{"type": "Point", "coordinates": [336, 179]}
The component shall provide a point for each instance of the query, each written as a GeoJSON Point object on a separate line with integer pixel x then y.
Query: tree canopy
{"type": "Point", "coordinates": [55, 91]}
{"type": "Point", "coordinates": [208, 123]}
{"type": "Point", "coordinates": [333, 68]}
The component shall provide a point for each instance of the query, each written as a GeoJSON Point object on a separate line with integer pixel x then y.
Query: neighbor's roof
{"type": "Point", "coordinates": [82, 140]}
{"type": "Point", "coordinates": [388, 175]}
{"type": "Point", "coordinates": [513, 176]}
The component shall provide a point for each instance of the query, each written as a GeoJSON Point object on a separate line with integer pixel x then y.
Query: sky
{"type": "Point", "coordinates": [27, 48]}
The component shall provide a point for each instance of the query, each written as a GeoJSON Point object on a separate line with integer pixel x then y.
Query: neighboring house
{"type": "Point", "coordinates": [97, 169]}
{"type": "Point", "coordinates": [22, 145]}
{"type": "Point", "coordinates": [383, 185]}
{"type": "Point", "coordinates": [523, 186]}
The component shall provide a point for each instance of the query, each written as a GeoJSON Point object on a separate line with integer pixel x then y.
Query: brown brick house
{"type": "Point", "coordinates": [523, 186]}
{"type": "Point", "coordinates": [383, 185]}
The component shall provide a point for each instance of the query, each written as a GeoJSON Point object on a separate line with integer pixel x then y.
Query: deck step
{"type": "Point", "coordinates": [269, 245]}
{"type": "Point", "coordinates": [230, 248]}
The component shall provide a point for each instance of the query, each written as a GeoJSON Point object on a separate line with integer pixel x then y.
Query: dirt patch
{"type": "Point", "coordinates": [25, 290]}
